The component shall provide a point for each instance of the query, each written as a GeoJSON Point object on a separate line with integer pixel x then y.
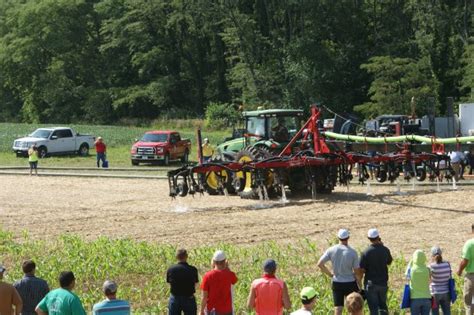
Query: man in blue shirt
{"type": "Point", "coordinates": [31, 289]}
{"type": "Point", "coordinates": [111, 305]}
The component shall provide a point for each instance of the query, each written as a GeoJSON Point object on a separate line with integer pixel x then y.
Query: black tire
{"type": "Point", "coordinates": [420, 174]}
{"type": "Point", "coordinates": [166, 160]}
{"type": "Point", "coordinates": [42, 152]}
{"type": "Point", "coordinates": [182, 189]}
{"type": "Point", "coordinates": [248, 191]}
{"type": "Point", "coordinates": [135, 162]}
{"type": "Point", "coordinates": [83, 150]}
{"type": "Point", "coordinates": [380, 175]}
{"type": "Point", "coordinates": [185, 157]}
{"type": "Point", "coordinates": [209, 180]}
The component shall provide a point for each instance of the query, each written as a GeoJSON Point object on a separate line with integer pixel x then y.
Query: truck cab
{"type": "Point", "coordinates": [54, 141]}
{"type": "Point", "coordinates": [160, 146]}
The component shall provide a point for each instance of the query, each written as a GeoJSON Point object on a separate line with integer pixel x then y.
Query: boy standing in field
{"type": "Point", "coordinates": [33, 159]}
{"type": "Point", "coordinates": [308, 298]}
{"type": "Point", "coordinates": [100, 149]}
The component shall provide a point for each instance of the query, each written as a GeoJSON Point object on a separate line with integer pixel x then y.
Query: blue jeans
{"type": "Point", "coordinates": [420, 306]}
{"type": "Point", "coordinates": [185, 304]}
{"type": "Point", "coordinates": [376, 299]}
{"type": "Point", "coordinates": [443, 301]}
{"type": "Point", "coordinates": [100, 156]}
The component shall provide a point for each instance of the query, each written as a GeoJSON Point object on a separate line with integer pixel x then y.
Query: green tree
{"type": "Point", "coordinates": [396, 81]}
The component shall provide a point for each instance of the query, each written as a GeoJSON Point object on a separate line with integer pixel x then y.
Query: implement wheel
{"type": "Point", "coordinates": [211, 180]}
{"type": "Point", "coordinates": [244, 181]}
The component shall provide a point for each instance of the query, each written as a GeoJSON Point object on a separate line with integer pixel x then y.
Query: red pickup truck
{"type": "Point", "coordinates": [161, 146]}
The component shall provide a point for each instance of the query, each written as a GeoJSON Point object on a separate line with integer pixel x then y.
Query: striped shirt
{"type": "Point", "coordinates": [440, 274]}
{"type": "Point", "coordinates": [111, 307]}
{"type": "Point", "coordinates": [32, 290]}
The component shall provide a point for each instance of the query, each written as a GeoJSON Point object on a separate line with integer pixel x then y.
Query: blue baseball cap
{"type": "Point", "coordinates": [269, 265]}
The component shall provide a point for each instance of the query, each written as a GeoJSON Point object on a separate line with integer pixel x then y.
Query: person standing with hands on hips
{"type": "Point", "coordinates": [345, 272]}
{"type": "Point", "coordinates": [100, 149]}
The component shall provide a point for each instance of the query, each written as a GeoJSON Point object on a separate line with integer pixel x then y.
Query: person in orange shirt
{"type": "Point", "coordinates": [9, 297]}
{"type": "Point", "coordinates": [269, 295]}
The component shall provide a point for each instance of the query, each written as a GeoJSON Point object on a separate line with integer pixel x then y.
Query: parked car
{"type": "Point", "coordinates": [161, 146]}
{"type": "Point", "coordinates": [54, 140]}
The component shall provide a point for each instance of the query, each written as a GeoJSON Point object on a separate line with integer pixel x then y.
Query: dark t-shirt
{"type": "Point", "coordinates": [375, 260]}
{"type": "Point", "coordinates": [183, 278]}
{"type": "Point", "coordinates": [32, 290]}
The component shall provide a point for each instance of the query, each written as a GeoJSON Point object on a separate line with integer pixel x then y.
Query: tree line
{"type": "Point", "coordinates": [106, 61]}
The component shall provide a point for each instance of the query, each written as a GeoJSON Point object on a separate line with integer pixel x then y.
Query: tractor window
{"type": "Point", "coordinates": [256, 126]}
{"type": "Point", "coordinates": [283, 128]}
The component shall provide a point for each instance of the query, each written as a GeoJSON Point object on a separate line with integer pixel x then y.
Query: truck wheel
{"type": "Point", "coordinates": [42, 152]}
{"type": "Point", "coordinates": [135, 162]}
{"type": "Point", "coordinates": [185, 157]}
{"type": "Point", "coordinates": [83, 150]}
{"type": "Point", "coordinates": [166, 160]}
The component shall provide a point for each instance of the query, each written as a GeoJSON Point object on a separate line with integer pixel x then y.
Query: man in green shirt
{"type": "Point", "coordinates": [467, 263]}
{"type": "Point", "coordinates": [62, 301]}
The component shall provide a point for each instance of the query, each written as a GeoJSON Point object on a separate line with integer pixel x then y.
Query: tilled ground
{"type": "Point", "coordinates": [141, 209]}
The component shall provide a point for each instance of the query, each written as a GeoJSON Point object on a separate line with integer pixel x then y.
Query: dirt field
{"type": "Point", "coordinates": [142, 210]}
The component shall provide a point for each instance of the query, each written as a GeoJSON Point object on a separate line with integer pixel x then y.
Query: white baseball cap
{"type": "Point", "coordinates": [342, 234]}
{"type": "Point", "coordinates": [373, 233]}
{"type": "Point", "coordinates": [219, 255]}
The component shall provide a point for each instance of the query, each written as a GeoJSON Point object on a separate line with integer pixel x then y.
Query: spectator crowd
{"type": "Point", "coordinates": [354, 281]}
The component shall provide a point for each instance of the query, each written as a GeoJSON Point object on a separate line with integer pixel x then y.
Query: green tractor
{"type": "Point", "coordinates": [264, 134]}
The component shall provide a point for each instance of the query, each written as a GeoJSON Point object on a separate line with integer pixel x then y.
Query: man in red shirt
{"type": "Point", "coordinates": [100, 149]}
{"type": "Point", "coordinates": [216, 287]}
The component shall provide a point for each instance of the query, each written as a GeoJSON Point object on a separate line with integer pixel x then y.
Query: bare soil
{"type": "Point", "coordinates": [141, 209]}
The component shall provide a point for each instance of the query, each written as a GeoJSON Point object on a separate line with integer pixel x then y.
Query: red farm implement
{"type": "Point", "coordinates": [312, 162]}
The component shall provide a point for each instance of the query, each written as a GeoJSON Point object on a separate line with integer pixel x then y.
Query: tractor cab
{"type": "Point", "coordinates": [271, 128]}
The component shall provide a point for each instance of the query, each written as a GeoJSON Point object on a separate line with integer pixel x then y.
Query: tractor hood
{"type": "Point", "coordinates": [235, 145]}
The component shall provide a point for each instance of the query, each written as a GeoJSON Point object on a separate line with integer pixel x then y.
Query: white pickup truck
{"type": "Point", "coordinates": [54, 140]}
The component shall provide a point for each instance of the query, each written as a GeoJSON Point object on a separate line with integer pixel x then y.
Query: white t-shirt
{"type": "Point", "coordinates": [301, 312]}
